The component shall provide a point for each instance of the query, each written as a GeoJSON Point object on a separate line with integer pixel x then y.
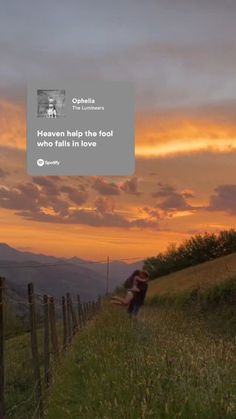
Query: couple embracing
{"type": "Point", "coordinates": [136, 285]}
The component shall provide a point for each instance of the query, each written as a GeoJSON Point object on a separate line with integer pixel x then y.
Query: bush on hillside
{"type": "Point", "coordinates": [198, 249]}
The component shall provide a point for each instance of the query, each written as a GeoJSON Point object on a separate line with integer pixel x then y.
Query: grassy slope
{"type": "Point", "coordinates": [19, 381]}
{"type": "Point", "coordinates": [164, 366]}
{"type": "Point", "coordinates": [203, 276]}
{"type": "Point", "coordinates": [171, 363]}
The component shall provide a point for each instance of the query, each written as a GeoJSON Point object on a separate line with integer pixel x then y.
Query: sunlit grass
{"type": "Point", "coordinates": [165, 365]}
{"type": "Point", "coordinates": [205, 276]}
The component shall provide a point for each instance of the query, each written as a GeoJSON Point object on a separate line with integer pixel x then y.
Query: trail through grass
{"type": "Point", "coordinates": [165, 365]}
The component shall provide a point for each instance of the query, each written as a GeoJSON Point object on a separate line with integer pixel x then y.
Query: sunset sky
{"type": "Point", "coordinates": [181, 57]}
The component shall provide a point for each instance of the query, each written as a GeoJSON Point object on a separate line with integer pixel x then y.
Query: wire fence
{"type": "Point", "coordinates": [35, 334]}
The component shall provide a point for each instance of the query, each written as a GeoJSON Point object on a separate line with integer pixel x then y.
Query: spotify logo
{"type": "Point", "coordinates": [40, 162]}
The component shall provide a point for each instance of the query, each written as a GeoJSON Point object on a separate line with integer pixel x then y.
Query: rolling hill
{"type": "Point", "coordinates": [201, 276]}
{"type": "Point", "coordinates": [60, 275]}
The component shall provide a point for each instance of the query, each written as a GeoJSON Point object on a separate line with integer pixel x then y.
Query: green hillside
{"type": "Point", "coordinates": [176, 360]}
{"type": "Point", "coordinates": [203, 276]}
{"type": "Point", "coordinates": [165, 365]}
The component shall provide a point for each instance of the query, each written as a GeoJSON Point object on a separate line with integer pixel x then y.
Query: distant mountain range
{"type": "Point", "coordinates": [56, 276]}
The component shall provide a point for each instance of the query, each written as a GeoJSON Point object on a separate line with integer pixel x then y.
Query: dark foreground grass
{"type": "Point", "coordinates": [19, 379]}
{"type": "Point", "coordinates": [215, 306]}
{"type": "Point", "coordinates": [164, 366]}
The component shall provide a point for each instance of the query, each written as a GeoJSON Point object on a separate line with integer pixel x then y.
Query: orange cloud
{"type": "Point", "coordinates": [83, 241]}
{"type": "Point", "coordinates": [12, 125]}
{"type": "Point", "coordinates": [156, 134]}
{"type": "Point", "coordinates": [163, 135]}
{"type": "Point", "coordinates": [159, 135]}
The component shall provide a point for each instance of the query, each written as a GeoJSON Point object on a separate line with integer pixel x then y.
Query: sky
{"type": "Point", "coordinates": [181, 57]}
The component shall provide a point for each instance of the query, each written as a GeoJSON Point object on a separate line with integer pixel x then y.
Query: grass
{"type": "Point", "coordinates": [19, 377]}
{"type": "Point", "coordinates": [165, 365]}
{"type": "Point", "coordinates": [178, 361]}
{"type": "Point", "coordinates": [20, 386]}
{"type": "Point", "coordinates": [203, 276]}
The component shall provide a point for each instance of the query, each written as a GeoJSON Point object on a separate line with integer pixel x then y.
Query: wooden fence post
{"type": "Point", "coordinates": [53, 327]}
{"type": "Point", "coordinates": [99, 302]}
{"type": "Point", "coordinates": [93, 308]}
{"type": "Point", "coordinates": [85, 313]}
{"type": "Point", "coordinates": [79, 312]}
{"type": "Point", "coordinates": [88, 311]}
{"type": "Point", "coordinates": [68, 318]}
{"type": "Point", "coordinates": [46, 342]}
{"type": "Point", "coordinates": [82, 314]}
{"type": "Point", "coordinates": [34, 349]}
{"type": "Point", "coordinates": [74, 319]}
{"type": "Point", "coordinates": [2, 341]}
{"type": "Point", "coordinates": [65, 323]}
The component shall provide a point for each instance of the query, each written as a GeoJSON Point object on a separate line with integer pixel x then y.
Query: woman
{"type": "Point", "coordinates": [131, 285]}
{"type": "Point", "coordinates": [139, 297]}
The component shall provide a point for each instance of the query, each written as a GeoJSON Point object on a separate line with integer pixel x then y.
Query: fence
{"type": "Point", "coordinates": [35, 333]}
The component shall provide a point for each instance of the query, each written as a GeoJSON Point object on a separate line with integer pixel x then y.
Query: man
{"type": "Point", "coordinates": [139, 297]}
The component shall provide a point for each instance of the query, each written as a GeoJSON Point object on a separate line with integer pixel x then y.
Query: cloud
{"type": "Point", "coordinates": [12, 125]}
{"type": "Point", "coordinates": [130, 186]}
{"type": "Point", "coordinates": [77, 196]}
{"type": "Point", "coordinates": [153, 213]}
{"type": "Point", "coordinates": [144, 223]}
{"type": "Point", "coordinates": [192, 65]}
{"type": "Point", "coordinates": [3, 173]}
{"type": "Point", "coordinates": [170, 200]}
{"type": "Point", "coordinates": [224, 199]}
{"type": "Point", "coordinates": [93, 218]}
{"type": "Point", "coordinates": [104, 205]}
{"type": "Point", "coordinates": [187, 130]}
{"type": "Point", "coordinates": [103, 215]}
{"type": "Point", "coordinates": [96, 218]}
{"type": "Point", "coordinates": [33, 197]}
{"type": "Point", "coordinates": [43, 200]}
{"type": "Point", "coordinates": [47, 185]}
{"type": "Point", "coordinates": [105, 188]}
{"type": "Point", "coordinates": [21, 197]}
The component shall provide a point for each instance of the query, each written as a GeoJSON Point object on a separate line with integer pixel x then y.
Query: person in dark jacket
{"type": "Point", "coordinates": [139, 297]}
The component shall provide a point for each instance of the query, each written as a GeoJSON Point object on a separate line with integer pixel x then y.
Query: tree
{"type": "Point", "coordinates": [198, 249]}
